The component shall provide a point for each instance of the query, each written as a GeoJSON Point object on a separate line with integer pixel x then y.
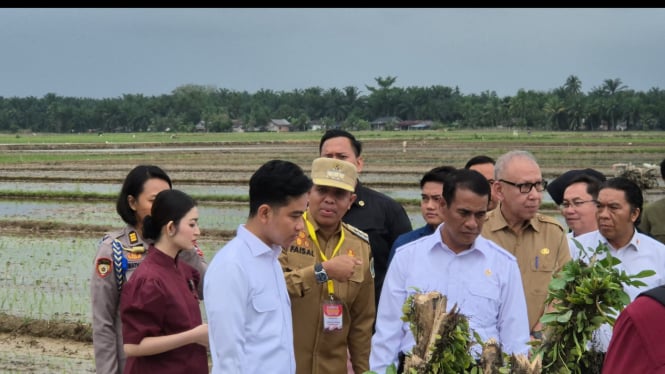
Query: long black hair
{"type": "Point", "coordinates": [169, 205]}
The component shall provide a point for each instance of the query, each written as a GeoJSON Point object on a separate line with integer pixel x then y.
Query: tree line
{"type": "Point", "coordinates": [611, 106]}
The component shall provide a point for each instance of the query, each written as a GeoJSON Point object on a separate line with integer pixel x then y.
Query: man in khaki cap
{"type": "Point", "coordinates": [327, 271]}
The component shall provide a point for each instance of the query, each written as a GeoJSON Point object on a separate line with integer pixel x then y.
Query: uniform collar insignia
{"type": "Point", "coordinates": [133, 237]}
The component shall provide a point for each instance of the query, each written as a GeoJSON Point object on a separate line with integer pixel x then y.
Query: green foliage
{"type": "Point", "coordinates": [583, 297]}
{"type": "Point", "coordinates": [609, 104]}
{"type": "Point", "coordinates": [389, 370]}
{"type": "Point", "coordinates": [451, 353]}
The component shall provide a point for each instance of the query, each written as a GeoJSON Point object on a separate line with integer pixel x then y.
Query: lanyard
{"type": "Point", "coordinates": [312, 234]}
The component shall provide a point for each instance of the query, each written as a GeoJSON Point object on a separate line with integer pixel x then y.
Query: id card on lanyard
{"type": "Point", "coordinates": [332, 308]}
{"type": "Point", "coordinates": [332, 314]}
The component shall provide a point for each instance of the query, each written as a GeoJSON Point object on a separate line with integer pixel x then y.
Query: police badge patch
{"type": "Point", "coordinates": [103, 267]}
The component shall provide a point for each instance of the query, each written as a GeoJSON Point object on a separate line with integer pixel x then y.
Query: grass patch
{"type": "Point", "coordinates": [163, 138]}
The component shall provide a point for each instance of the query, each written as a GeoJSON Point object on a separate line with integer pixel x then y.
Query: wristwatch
{"type": "Point", "coordinates": [320, 273]}
{"type": "Point", "coordinates": [537, 334]}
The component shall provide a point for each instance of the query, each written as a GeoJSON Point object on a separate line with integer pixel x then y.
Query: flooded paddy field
{"type": "Point", "coordinates": [48, 244]}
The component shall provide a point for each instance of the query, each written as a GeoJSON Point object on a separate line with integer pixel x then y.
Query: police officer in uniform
{"type": "Point", "coordinates": [538, 242]}
{"type": "Point", "coordinates": [118, 254]}
{"type": "Point", "coordinates": [327, 272]}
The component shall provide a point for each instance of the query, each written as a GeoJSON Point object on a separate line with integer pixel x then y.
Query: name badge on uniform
{"type": "Point", "coordinates": [332, 315]}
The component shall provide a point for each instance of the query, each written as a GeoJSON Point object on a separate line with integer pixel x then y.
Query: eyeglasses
{"type": "Point", "coordinates": [526, 187]}
{"type": "Point", "coordinates": [575, 203]}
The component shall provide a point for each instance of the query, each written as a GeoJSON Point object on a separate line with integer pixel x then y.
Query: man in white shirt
{"type": "Point", "coordinates": [247, 304]}
{"type": "Point", "coordinates": [476, 274]}
{"type": "Point", "coordinates": [619, 206]}
{"type": "Point", "coordinates": [579, 208]}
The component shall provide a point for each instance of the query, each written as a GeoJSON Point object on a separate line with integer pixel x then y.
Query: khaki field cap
{"type": "Point", "coordinates": [334, 173]}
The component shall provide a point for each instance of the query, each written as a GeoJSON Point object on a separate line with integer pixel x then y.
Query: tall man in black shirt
{"type": "Point", "coordinates": [377, 214]}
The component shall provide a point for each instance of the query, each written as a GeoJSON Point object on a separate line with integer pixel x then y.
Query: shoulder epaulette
{"type": "Point", "coordinates": [119, 263]}
{"type": "Point", "coordinates": [547, 219]}
{"type": "Point", "coordinates": [360, 233]}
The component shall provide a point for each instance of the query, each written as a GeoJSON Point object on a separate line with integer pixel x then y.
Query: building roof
{"type": "Point", "coordinates": [280, 122]}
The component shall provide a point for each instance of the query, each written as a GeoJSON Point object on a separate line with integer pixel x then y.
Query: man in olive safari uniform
{"type": "Point", "coordinates": [538, 242]}
{"type": "Point", "coordinates": [328, 276]}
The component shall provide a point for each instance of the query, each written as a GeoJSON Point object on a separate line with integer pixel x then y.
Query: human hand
{"type": "Point", "coordinates": [200, 334]}
{"type": "Point", "coordinates": [341, 267]}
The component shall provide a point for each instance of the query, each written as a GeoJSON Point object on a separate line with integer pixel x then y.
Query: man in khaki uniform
{"type": "Point", "coordinates": [538, 242]}
{"type": "Point", "coordinates": [328, 276]}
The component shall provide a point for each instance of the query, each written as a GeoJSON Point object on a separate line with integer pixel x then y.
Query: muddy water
{"type": "Point", "coordinates": [47, 277]}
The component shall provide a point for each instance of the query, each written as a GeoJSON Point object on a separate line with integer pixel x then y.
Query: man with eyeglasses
{"type": "Point", "coordinates": [556, 187]}
{"type": "Point", "coordinates": [537, 241]}
{"type": "Point", "coordinates": [619, 208]}
{"type": "Point", "coordinates": [431, 188]}
{"type": "Point", "coordinates": [579, 209]}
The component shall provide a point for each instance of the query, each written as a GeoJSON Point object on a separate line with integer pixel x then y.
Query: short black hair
{"type": "Point", "coordinates": [662, 168]}
{"type": "Point", "coordinates": [275, 183]}
{"type": "Point", "coordinates": [465, 179]}
{"type": "Point", "coordinates": [631, 190]}
{"type": "Point", "coordinates": [592, 184]}
{"type": "Point", "coordinates": [556, 187]}
{"type": "Point", "coordinates": [336, 133]}
{"type": "Point", "coordinates": [133, 186]}
{"type": "Point", "coordinates": [169, 205]}
{"type": "Point", "coordinates": [437, 174]}
{"type": "Point", "coordinates": [479, 160]}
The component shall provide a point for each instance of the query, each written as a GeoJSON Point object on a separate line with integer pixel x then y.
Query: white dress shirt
{"type": "Point", "coordinates": [574, 251]}
{"type": "Point", "coordinates": [484, 281]}
{"type": "Point", "coordinates": [248, 309]}
{"type": "Point", "coordinates": [641, 253]}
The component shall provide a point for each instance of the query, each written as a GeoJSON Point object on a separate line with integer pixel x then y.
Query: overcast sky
{"type": "Point", "coordinates": [105, 53]}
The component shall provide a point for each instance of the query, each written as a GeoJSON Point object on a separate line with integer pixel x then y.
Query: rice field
{"type": "Point", "coordinates": [46, 269]}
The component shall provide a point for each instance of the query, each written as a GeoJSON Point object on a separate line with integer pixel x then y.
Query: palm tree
{"type": "Point", "coordinates": [573, 100]}
{"type": "Point", "coordinates": [612, 87]}
{"type": "Point", "coordinates": [573, 85]}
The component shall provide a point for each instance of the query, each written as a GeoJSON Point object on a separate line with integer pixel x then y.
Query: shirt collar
{"type": "Point", "coordinates": [633, 243]}
{"type": "Point", "coordinates": [496, 221]}
{"type": "Point", "coordinates": [475, 247]}
{"type": "Point", "coordinates": [256, 246]}
{"type": "Point", "coordinates": [161, 258]}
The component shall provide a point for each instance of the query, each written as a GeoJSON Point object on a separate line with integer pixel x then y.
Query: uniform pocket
{"type": "Point", "coordinates": [482, 303]}
{"type": "Point", "coordinates": [543, 262]}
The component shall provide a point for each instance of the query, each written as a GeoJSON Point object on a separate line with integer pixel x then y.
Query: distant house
{"type": "Point", "coordinates": [278, 125]}
{"type": "Point", "coordinates": [237, 125]}
{"type": "Point", "coordinates": [200, 127]}
{"type": "Point", "coordinates": [315, 125]}
{"type": "Point", "coordinates": [413, 125]}
{"type": "Point", "coordinates": [384, 122]}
